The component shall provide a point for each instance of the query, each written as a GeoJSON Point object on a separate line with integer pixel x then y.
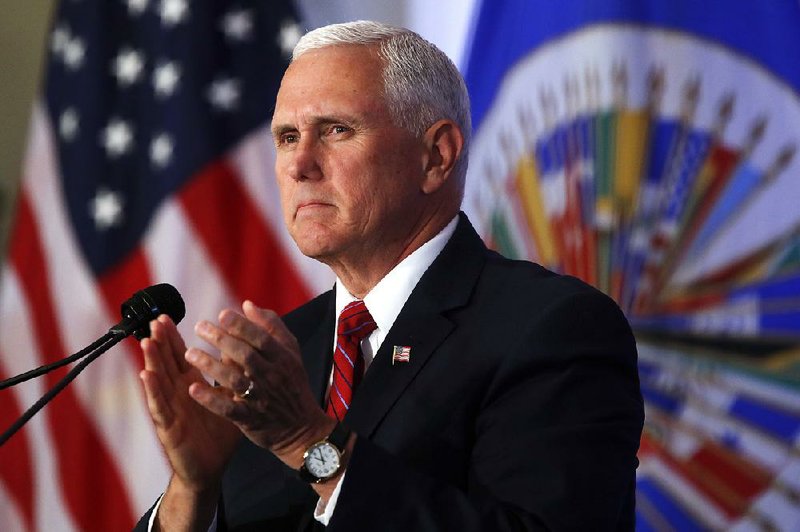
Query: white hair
{"type": "Point", "coordinates": [421, 84]}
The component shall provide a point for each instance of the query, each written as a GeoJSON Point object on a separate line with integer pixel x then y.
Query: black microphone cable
{"type": "Point", "coordinates": [137, 311]}
{"type": "Point", "coordinates": [55, 390]}
{"type": "Point", "coordinates": [144, 306]}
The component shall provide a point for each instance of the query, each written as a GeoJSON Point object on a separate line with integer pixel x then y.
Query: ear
{"type": "Point", "coordinates": [443, 142]}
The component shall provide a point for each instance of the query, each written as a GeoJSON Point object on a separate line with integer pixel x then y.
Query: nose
{"type": "Point", "coordinates": [302, 162]}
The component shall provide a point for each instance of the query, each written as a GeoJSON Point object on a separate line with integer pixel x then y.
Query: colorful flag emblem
{"type": "Point", "coordinates": [668, 180]}
{"type": "Point", "coordinates": [401, 353]}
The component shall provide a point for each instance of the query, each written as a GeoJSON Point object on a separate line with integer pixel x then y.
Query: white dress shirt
{"type": "Point", "coordinates": [384, 302]}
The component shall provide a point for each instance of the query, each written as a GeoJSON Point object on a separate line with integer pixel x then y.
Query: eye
{"type": "Point", "coordinates": [287, 138]}
{"type": "Point", "coordinates": [338, 129]}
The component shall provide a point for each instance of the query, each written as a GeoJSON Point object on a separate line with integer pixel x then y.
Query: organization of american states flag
{"type": "Point", "coordinates": [149, 160]}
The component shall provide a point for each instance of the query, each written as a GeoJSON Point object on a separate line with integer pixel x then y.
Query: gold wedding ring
{"type": "Point", "coordinates": [247, 392]}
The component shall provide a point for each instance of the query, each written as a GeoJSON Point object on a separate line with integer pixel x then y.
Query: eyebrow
{"type": "Point", "coordinates": [279, 130]}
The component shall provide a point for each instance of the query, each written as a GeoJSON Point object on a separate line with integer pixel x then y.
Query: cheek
{"type": "Point", "coordinates": [285, 193]}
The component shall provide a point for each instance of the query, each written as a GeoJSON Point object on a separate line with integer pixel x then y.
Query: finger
{"type": "Point", "coordinates": [241, 327]}
{"type": "Point", "coordinates": [170, 358]}
{"type": "Point", "coordinates": [157, 404]}
{"type": "Point", "coordinates": [217, 401]}
{"type": "Point", "coordinates": [244, 355]}
{"type": "Point", "coordinates": [157, 360]}
{"type": "Point", "coordinates": [228, 376]}
{"type": "Point", "coordinates": [272, 323]}
{"type": "Point", "coordinates": [175, 341]}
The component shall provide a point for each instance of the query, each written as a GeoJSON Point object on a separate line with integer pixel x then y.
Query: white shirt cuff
{"type": "Point", "coordinates": [323, 512]}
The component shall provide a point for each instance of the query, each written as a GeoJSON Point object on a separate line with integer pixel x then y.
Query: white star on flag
{"type": "Point", "coordinates": [106, 209]}
{"type": "Point", "coordinates": [59, 40]}
{"type": "Point", "coordinates": [288, 36]}
{"type": "Point", "coordinates": [173, 12]}
{"type": "Point", "coordinates": [137, 7]}
{"type": "Point", "coordinates": [161, 150]}
{"type": "Point", "coordinates": [238, 25]}
{"type": "Point", "coordinates": [68, 124]}
{"type": "Point", "coordinates": [74, 51]}
{"type": "Point", "coordinates": [165, 79]}
{"type": "Point", "coordinates": [128, 66]}
{"type": "Point", "coordinates": [224, 93]}
{"type": "Point", "coordinates": [117, 138]}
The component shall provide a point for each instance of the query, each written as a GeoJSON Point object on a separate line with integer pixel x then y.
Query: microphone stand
{"type": "Point", "coordinates": [47, 368]}
{"type": "Point", "coordinates": [103, 344]}
{"type": "Point", "coordinates": [144, 306]}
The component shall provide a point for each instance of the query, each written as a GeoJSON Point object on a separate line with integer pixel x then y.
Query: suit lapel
{"type": "Point", "coordinates": [317, 351]}
{"type": "Point", "coordinates": [422, 325]}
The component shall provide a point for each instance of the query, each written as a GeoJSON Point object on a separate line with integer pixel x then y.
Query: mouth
{"type": "Point", "coordinates": [308, 206]}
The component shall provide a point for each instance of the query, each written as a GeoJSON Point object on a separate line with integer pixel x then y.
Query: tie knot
{"type": "Point", "coordinates": [355, 321]}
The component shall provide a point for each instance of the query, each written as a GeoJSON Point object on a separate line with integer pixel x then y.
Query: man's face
{"type": "Point", "coordinates": [349, 178]}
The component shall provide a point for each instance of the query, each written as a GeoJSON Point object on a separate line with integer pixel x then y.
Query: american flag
{"type": "Point", "coordinates": [401, 353]}
{"type": "Point", "coordinates": [149, 160]}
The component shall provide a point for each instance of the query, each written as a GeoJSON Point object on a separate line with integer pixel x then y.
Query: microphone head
{"type": "Point", "coordinates": [149, 303]}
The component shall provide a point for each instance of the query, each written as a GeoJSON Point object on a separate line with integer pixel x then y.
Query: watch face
{"type": "Point", "coordinates": [322, 460]}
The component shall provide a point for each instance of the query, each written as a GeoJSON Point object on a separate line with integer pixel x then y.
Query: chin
{"type": "Point", "coordinates": [318, 240]}
{"type": "Point", "coordinates": [314, 246]}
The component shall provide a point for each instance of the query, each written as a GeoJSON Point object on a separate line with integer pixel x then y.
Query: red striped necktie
{"type": "Point", "coordinates": [355, 324]}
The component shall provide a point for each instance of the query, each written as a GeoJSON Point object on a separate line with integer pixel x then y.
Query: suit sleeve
{"type": "Point", "coordinates": [555, 439]}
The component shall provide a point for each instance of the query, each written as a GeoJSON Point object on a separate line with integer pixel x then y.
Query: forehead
{"type": "Point", "coordinates": [334, 76]}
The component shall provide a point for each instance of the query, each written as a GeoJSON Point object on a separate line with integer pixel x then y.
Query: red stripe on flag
{"type": "Point", "coordinates": [120, 283]}
{"type": "Point", "coordinates": [744, 478]}
{"type": "Point", "coordinates": [724, 162]}
{"type": "Point", "coordinates": [721, 495]}
{"type": "Point", "coordinates": [84, 464]}
{"type": "Point", "coordinates": [239, 241]}
{"type": "Point", "coordinates": [17, 471]}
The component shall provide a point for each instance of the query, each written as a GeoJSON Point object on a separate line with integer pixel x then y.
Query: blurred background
{"type": "Point", "coordinates": [645, 146]}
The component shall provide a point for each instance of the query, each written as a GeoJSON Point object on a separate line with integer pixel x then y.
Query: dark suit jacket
{"type": "Point", "coordinates": [519, 409]}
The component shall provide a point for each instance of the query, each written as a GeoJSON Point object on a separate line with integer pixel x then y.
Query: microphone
{"type": "Point", "coordinates": [137, 312]}
{"type": "Point", "coordinates": [145, 306]}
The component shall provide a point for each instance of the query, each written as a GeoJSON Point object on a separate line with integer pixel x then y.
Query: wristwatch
{"type": "Point", "coordinates": [323, 459]}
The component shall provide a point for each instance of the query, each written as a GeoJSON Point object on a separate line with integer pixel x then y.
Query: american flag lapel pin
{"type": "Point", "coordinates": [401, 353]}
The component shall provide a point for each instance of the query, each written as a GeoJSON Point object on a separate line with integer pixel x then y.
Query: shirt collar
{"type": "Point", "coordinates": [387, 298]}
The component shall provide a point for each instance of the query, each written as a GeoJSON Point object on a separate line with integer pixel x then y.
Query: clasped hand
{"type": "Point", "coordinates": [256, 347]}
{"type": "Point", "coordinates": [198, 424]}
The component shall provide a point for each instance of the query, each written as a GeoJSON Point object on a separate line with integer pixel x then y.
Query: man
{"type": "Point", "coordinates": [499, 396]}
